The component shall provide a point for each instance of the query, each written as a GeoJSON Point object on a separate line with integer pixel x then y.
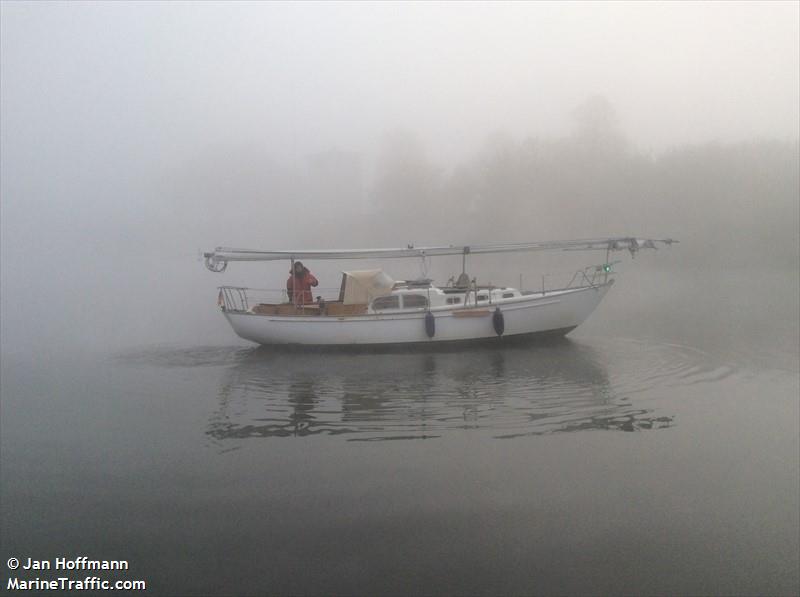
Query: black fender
{"type": "Point", "coordinates": [430, 324]}
{"type": "Point", "coordinates": [498, 321]}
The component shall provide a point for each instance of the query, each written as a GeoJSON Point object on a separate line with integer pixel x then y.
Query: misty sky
{"type": "Point", "coordinates": [104, 105]}
{"type": "Point", "coordinates": [135, 78]}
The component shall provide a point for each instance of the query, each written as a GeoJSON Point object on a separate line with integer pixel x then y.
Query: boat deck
{"type": "Point", "coordinates": [461, 303]}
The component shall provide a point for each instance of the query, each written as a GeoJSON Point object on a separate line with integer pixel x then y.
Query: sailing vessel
{"type": "Point", "coordinates": [371, 308]}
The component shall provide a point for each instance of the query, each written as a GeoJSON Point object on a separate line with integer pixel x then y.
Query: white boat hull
{"type": "Point", "coordinates": [553, 312]}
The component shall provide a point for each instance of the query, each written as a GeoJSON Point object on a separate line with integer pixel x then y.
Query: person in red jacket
{"type": "Point", "coordinates": [299, 284]}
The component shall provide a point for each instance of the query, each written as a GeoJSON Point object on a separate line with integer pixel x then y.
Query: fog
{"type": "Point", "coordinates": [133, 135]}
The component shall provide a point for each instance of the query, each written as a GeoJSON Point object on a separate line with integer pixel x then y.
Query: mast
{"type": "Point", "coordinates": [218, 259]}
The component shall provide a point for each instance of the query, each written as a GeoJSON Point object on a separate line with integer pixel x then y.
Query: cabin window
{"type": "Point", "coordinates": [453, 300]}
{"type": "Point", "coordinates": [386, 302]}
{"type": "Point", "coordinates": [482, 297]}
{"type": "Point", "coordinates": [508, 295]}
{"type": "Point", "coordinates": [414, 301]}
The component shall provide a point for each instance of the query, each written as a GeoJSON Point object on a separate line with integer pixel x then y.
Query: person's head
{"type": "Point", "coordinates": [299, 268]}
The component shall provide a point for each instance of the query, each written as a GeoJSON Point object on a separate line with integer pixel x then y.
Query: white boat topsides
{"type": "Point", "coordinates": [406, 317]}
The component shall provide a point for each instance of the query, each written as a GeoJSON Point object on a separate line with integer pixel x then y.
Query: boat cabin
{"type": "Point", "coordinates": [376, 290]}
{"type": "Point", "coordinates": [405, 299]}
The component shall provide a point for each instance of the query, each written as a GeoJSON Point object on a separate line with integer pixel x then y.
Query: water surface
{"type": "Point", "coordinates": [601, 463]}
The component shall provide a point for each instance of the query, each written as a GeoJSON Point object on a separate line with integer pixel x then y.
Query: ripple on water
{"type": "Point", "coordinates": [563, 386]}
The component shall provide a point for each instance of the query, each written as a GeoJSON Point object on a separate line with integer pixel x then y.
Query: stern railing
{"type": "Point", "coordinates": [241, 299]}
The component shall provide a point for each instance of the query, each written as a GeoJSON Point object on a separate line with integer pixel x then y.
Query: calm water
{"type": "Point", "coordinates": [608, 462]}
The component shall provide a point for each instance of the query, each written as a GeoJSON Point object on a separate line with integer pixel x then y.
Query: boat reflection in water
{"type": "Point", "coordinates": [521, 389]}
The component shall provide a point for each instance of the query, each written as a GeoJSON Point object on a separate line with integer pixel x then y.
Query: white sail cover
{"type": "Point", "coordinates": [218, 259]}
{"type": "Point", "coordinates": [361, 286]}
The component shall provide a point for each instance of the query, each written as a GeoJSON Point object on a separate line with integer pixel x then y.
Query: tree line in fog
{"type": "Point", "coordinates": [736, 201]}
{"type": "Point", "coordinates": [727, 202]}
